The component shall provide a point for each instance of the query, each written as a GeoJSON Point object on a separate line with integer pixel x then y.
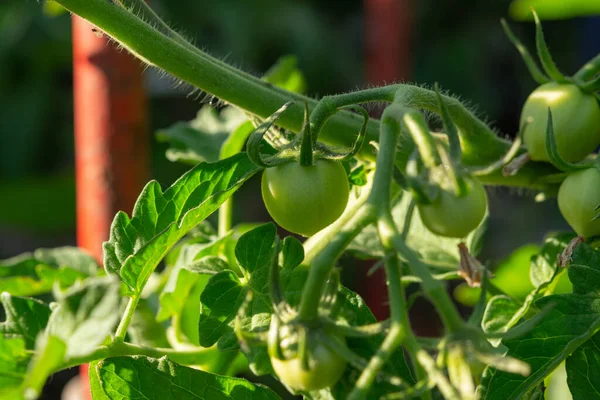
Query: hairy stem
{"type": "Point", "coordinates": [262, 99]}
{"type": "Point", "coordinates": [126, 320]}
{"type": "Point", "coordinates": [120, 349]}
{"type": "Point", "coordinates": [325, 260]}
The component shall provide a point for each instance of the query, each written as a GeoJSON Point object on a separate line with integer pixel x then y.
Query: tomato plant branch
{"type": "Point", "coordinates": [316, 243]}
{"type": "Point", "coordinates": [250, 93]}
{"type": "Point", "coordinates": [120, 349]}
{"type": "Point", "coordinates": [262, 99]}
{"type": "Point", "coordinates": [126, 319]}
{"type": "Point", "coordinates": [392, 120]}
{"type": "Point", "coordinates": [324, 261]}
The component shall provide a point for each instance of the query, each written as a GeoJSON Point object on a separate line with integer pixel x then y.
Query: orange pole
{"type": "Point", "coordinates": [111, 139]}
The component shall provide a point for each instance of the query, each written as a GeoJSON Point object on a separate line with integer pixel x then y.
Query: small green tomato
{"type": "Point", "coordinates": [578, 197]}
{"type": "Point", "coordinates": [325, 367]}
{"type": "Point", "coordinates": [575, 117]}
{"type": "Point", "coordinates": [305, 200]}
{"type": "Point", "coordinates": [453, 216]}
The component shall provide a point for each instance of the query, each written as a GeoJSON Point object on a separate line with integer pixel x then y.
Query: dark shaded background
{"type": "Point", "coordinates": [459, 44]}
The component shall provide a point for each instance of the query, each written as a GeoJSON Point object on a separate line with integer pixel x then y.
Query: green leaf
{"type": "Point", "coordinates": [201, 139]}
{"type": "Point", "coordinates": [499, 314]}
{"type": "Point", "coordinates": [583, 370]}
{"type": "Point", "coordinates": [543, 265]}
{"type": "Point", "coordinates": [225, 292]}
{"type": "Point", "coordinates": [13, 364]}
{"type": "Point", "coordinates": [286, 75]}
{"type": "Point", "coordinates": [49, 356]}
{"type": "Point", "coordinates": [182, 278]}
{"type": "Point", "coordinates": [25, 318]}
{"type": "Point", "coordinates": [147, 378]}
{"type": "Point", "coordinates": [439, 252]}
{"type": "Point", "coordinates": [236, 141]}
{"type": "Point", "coordinates": [571, 320]}
{"type": "Point", "coordinates": [36, 273]}
{"type": "Point", "coordinates": [159, 219]}
{"type": "Point", "coordinates": [292, 253]}
{"type": "Point", "coordinates": [95, 386]}
{"type": "Point", "coordinates": [86, 315]}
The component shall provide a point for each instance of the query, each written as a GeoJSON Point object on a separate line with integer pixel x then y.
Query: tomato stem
{"type": "Point", "coordinates": [306, 147]}
{"type": "Point", "coordinates": [126, 319]}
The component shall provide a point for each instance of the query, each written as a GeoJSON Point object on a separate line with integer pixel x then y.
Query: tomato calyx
{"type": "Point", "coordinates": [304, 148]}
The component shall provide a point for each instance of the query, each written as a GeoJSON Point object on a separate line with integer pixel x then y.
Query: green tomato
{"type": "Point", "coordinates": [453, 216]}
{"type": "Point", "coordinates": [305, 200]}
{"type": "Point", "coordinates": [325, 367]}
{"type": "Point", "coordinates": [578, 197]}
{"type": "Point", "coordinates": [575, 117]}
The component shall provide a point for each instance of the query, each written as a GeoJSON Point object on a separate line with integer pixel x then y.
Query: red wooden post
{"type": "Point", "coordinates": [111, 139]}
{"type": "Point", "coordinates": [388, 30]}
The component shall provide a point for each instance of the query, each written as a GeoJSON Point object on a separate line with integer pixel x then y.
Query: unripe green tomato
{"type": "Point", "coordinates": [325, 367]}
{"type": "Point", "coordinates": [578, 197]}
{"type": "Point", "coordinates": [305, 200]}
{"type": "Point", "coordinates": [453, 216]}
{"type": "Point", "coordinates": [575, 117]}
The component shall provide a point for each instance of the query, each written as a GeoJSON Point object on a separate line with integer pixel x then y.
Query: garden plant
{"type": "Point", "coordinates": [181, 309]}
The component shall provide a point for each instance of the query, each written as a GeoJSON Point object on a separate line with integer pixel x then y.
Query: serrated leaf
{"type": "Point", "coordinates": [25, 318]}
{"type": "Point", "coordinates": [225, 292]}
{"type": "Point", "coordinates": [437, 251]}
{"type": "Point", "coordinates": [86, 315]}
{"type": "Point", "coordinates": [141, 377]}
{"type": "Point", "coordinates": [159, 219]}
{"type": "Point", "coordinates": [201, 139]}
{"type": "Point", "coordinates": [36, 273]}
{"type": "Point", "coordinates": [220, 300]}
{"type": "Point", "coordinates": [572, 320]}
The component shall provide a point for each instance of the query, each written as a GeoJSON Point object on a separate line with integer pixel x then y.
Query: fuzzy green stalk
{"type": "Point", "coordinates": [261, 99]}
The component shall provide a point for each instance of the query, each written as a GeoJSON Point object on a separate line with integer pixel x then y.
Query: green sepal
{"type": "Point", "coordinates": [255, 139]}
{"type": "Point", "coordinates": [554, 155]}
{"type": "Point", "coordinates": [544, 54]}
{"type": "Point", "coordinates": [534, 70]}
